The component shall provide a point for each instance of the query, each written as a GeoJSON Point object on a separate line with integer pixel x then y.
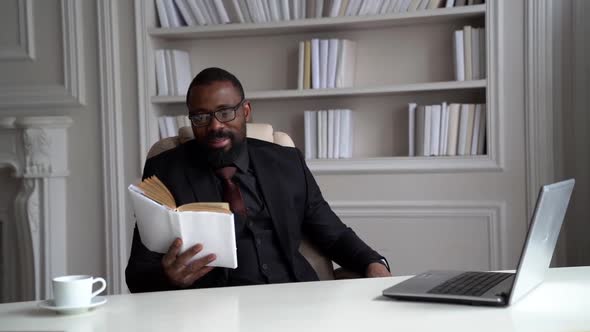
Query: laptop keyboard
{"type": "Point", "coordinates": [470, 283]}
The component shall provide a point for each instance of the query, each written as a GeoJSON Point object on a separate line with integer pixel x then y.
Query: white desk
{"type": "Point", "coordinates": [562, 303]}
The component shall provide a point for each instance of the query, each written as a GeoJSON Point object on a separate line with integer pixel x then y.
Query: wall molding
{"type": "Point", "coordinates": [49, 97]}
{"type": "Point", "coordinates": [492, 211]}
{"type": "Point", "coordinates": [539, 93]}
{"type": "Point", "coordinates": [114, 189]}
{"type": "Point", "coordinates": [143, 68]}
{"type": "Point", "coordinates": [25, 49]}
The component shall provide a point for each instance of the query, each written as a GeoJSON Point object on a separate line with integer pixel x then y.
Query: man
{"type": "Point", "coordinates": [272, 193]}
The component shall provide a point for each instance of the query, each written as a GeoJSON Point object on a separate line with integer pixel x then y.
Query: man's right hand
{"type": "Point", "coordinates": [179, 271]}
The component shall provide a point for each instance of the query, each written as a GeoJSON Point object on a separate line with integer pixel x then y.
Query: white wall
{"type": "Point", "coordinates": [85, 216]}
{"type": "Point", "coordinates": [46, 88]}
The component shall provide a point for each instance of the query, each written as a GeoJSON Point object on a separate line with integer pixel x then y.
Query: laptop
{"type": "Point", "coordinates": [498, 288]}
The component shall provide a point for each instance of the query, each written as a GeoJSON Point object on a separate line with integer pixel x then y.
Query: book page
{"type": "Point", "coordinates": [153, 222]}
{"type": "Point", "coordinates": [221, 207]}
{"type": "Point", "coordinates": [157, 191]}
{"type": "Point", "coordinates": [215, 231]}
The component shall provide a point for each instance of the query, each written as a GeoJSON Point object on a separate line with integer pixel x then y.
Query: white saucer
{"type": "Point", "coordinates": [95, 302]}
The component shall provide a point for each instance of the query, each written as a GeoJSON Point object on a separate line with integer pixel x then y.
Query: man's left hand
{"type": "Point", "coordinates": [376, 270]}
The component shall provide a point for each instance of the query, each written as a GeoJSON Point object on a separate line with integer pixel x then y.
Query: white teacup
{"type": "Point", "coordinates": [75, 291]}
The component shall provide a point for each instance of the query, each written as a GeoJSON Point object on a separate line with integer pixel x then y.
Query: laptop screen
{"type": "Point", "coordinates": [542, 237]}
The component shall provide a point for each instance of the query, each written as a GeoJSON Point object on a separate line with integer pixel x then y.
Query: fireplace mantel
{"type": "Point", "coordinates": [36, 150]}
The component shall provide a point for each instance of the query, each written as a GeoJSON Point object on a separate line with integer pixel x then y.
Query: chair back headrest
{"type": "Point", "coordinates": [261, 131]}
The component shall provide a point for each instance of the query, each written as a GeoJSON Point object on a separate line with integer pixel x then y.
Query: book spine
{"type": "Point", "coordinates": [411, 129]}
{"type": "Point", "coordinates": [459, 56]}
{"type": "Point", "coordinates": [162, 16]}
{"type": "Point", "coordinates": [467, 52]}
{"type": "Point", "coordinates": [315, 63]}
{"type": "Point", "coordinates": [301, 66]}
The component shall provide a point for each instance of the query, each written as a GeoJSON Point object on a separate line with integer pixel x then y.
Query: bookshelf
{"type": "Point", "coordinates": [401, 58]}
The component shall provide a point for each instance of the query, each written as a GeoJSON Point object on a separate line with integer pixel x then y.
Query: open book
{"type": "Point", "coordinates": [160, 221]}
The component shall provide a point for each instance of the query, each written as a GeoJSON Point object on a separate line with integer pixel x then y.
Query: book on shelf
{"type": "Point", "coordinates": [221, 11]}
{"type": "Point", "coordinates": [411, 129]}
{"type": "Point", "coordinates": [324, 45]}
{"type": "Point", "coordinates": [160, 221]}
{"type": "Point", "coordinates": [162, 16]}
{"type": "Point", "coordinates": [346, 68]}
{"type": "Point", "coordinates": [435, 124]}
{"type": "Point", "coordinates": [168, 14]}
{"type": "Point", "coordinates": [177, 13]}
{"type": "Point", "coordinates": [337, 136]}
{"type": "Point", "coordinates": [197, 9]}
{"type": "Point", "coordinates": [161, 73]}
{"type": "Point", "coordinates": [186, 12]}
{"type": "Point", "coordinates": [433, 4]}
{"type": "Point", "coordinates": [333, 50]}
{"type": "Point", "coordinates": [173, 72]}
{"type": "Point", "coordinates": [469, 53]}
{"type": "Point", "coordinates": [331, 134]}
{"type": "Point", "coordinates": [169, 125]}
{"type": "Point", "coordinates": [453, 132]}
{"type": "Point", "coordinates": [301, 62]}
{"type": "Point", "coordinates": [475, 65]}
{"type": "Point", "coordinates": [329, 63]}
{"type": "Point", "coordinates": [419, 138]}
{"type": "Point", "coordinates": [310, 134]}
{"type": "Point", "coordinates": [315, 63]}
{"type": "Point", "coordinates": [459, 55]}
{"type": "Point", "coordinates": [346, 133]}
{"type": "Point", "coordinates": [446, 129]}
{"type": "Point", "coordinates": [285, 10]}
{"type": "Point", "coordinates": [413, 6]}
{"type": "Point", "coordinates": [307, 65]}
{"type": "Point", "coordinates": [465, 130]}
{"type": "Point", "coordinates": [423, 5]}
{"type": "Point", "coordinates": [234, 11]}
{"type": "Point", "coordinates": [482, 53]}
{"type": "Point", "coordinates": [275, 15]}
{"type": "Point", "coordinates": [328, 134]}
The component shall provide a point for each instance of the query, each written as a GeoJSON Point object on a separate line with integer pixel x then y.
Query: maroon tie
{"type": "Point", "coordinates": [231, 191]}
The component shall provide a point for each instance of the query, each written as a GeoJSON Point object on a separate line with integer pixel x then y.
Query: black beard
{"type": "Point", "coordinates": [217, 158]}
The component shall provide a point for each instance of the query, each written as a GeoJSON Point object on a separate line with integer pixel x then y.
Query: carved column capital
{"type": "Point", "coordinates": [36, 147]}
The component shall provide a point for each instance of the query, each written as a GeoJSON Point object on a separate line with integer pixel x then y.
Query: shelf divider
{"type": "Point", "coordinates": [343, 92]}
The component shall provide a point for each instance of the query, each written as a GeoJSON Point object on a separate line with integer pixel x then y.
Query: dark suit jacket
{"type": "Point", "coordinates": [291, 194]}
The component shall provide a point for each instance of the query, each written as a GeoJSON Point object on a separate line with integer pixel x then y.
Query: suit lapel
{"type": "Point", "coordinates": [272, 191]}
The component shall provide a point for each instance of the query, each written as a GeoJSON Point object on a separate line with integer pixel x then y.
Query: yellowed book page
{"type": "Point", "coordinates": [155, 189]}
{"type": "Point", "coordinates": [164, 188]}
{"type": "Point", "coordinates": [221, 207]}
{"type": "Point", "coordinates": [155, 195]}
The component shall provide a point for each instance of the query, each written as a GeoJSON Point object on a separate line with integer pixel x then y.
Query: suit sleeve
{"type": "Point", "coordinates": [329, 233]}
{"type": "Point", "coordinates": [144, 272]}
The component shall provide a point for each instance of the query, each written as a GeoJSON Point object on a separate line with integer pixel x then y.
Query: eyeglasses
{"type": "Point", "coordinates": [222, 115]}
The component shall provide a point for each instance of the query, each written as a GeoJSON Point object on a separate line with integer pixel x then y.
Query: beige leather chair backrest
{"type": "Point", "coordinates": [262, 131]}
